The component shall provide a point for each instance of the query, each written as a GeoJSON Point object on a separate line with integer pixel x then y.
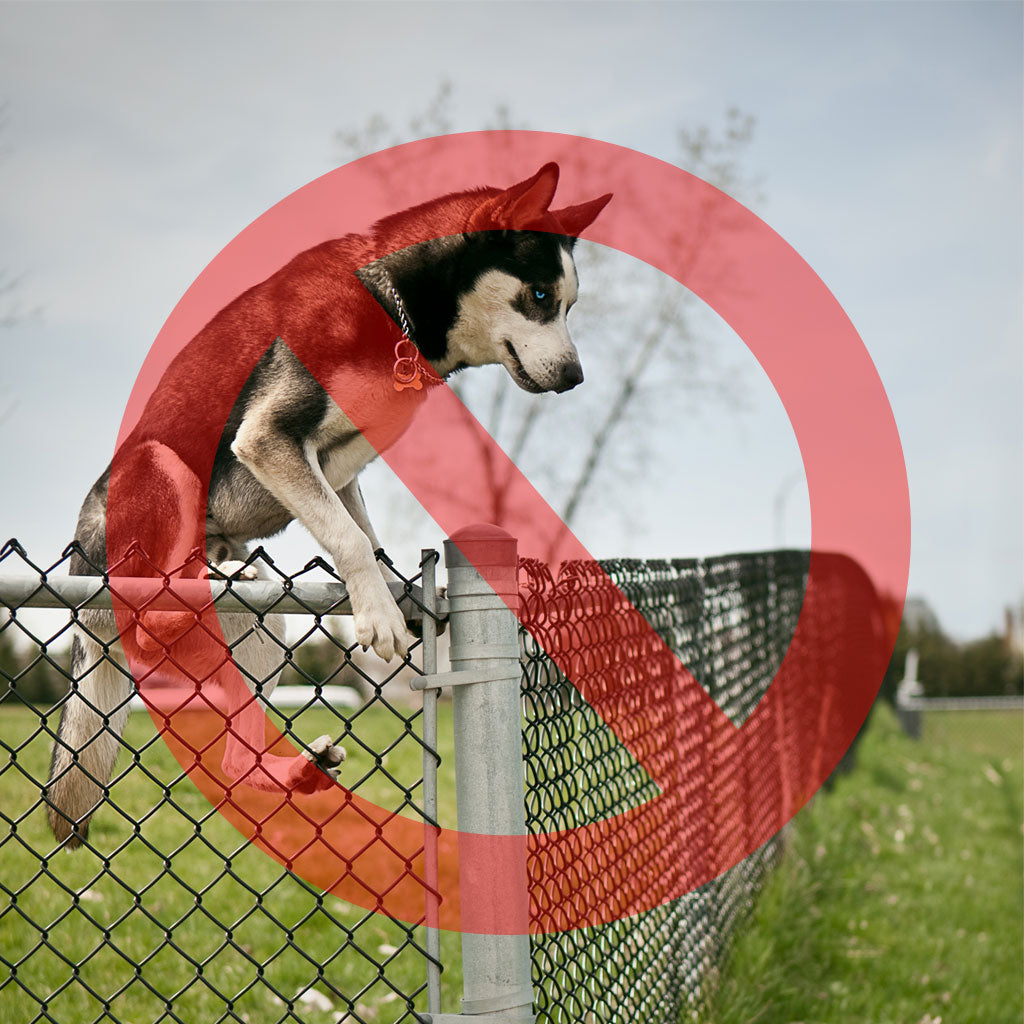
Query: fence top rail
{"type": "Point", "coordinates": [259, 596]}
{"type": "Point", "coordinates": [1010, 703]}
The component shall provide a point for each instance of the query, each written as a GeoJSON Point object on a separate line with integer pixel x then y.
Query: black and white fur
{"type": "Point", "coordinates": [484, 295]}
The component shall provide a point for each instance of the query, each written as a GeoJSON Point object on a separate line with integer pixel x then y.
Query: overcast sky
{"type": "Point", "coordinates": [139, 139]}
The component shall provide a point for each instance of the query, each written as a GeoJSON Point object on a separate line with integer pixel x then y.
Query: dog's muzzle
{"type": "Point", "coordinates": [571, 375]}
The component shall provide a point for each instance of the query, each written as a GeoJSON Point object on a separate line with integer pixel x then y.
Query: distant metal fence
{"type": "Point", "coordinates": [912, 706]}
{"type": "Point", "coordinates": [168, 914]}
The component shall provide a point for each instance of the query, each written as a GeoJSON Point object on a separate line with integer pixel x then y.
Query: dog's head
{"type": "Point", "coordinates": [517, 282]}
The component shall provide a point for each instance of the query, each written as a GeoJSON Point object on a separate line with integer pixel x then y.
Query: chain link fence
{"type": "Point", "coordinates": [978, 724]}
{"type": "Point", "coordinates": [730, 621]}
{"type": "Point", "coordinates": [168, 914]}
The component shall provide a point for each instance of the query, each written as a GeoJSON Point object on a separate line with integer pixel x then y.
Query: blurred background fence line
{"type": "Point", "coordinates": [168, 914]}
{"type": "Point", "coordinates": [912, 706]}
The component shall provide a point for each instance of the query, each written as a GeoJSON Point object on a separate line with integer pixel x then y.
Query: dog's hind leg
{"type": "Point", "coordinates": [258, 657]}
{"type": "Point", "coordinates": [88, 739]}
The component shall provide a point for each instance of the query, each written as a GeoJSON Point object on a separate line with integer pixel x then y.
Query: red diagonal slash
{"type": "Point", "coordinates": [697, 827]}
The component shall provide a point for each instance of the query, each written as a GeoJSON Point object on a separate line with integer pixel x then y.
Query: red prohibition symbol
{"type": "Point", "coordinates": [853, 460]}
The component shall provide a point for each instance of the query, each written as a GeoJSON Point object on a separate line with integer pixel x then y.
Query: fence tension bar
{"type": "Point", "coordinates": [438, 680]}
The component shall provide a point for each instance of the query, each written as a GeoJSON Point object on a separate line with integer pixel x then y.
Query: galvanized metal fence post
{"type": "Point", "coordinates": [431, 762]}
{"type": "Point", "coordinates": [907, 691]}
{"type": "Point", "coordinates": [493, 889]}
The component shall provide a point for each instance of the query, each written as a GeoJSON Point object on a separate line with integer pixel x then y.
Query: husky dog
{"type": "Point", "coordinates": [493, 286]}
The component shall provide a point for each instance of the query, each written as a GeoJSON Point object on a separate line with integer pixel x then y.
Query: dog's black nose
{"type": "Point", "coordinates": [572, 374]}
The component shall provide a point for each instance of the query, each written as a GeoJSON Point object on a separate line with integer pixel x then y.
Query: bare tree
{"type": "Point", "coordinates": [640, 329]}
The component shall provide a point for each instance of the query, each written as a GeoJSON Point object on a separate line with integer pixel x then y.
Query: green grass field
{"type": "Point", "coordinates": [899, 898]}
{"type": "Point", "coordinates": [259, 936]}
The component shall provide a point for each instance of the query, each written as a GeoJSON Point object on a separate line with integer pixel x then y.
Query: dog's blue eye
{"type": "Point", "coordinates": [539, 294]}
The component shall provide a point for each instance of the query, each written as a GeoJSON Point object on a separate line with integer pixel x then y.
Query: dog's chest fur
{"type": "Point", "coordinates": [342, 448]}
{"type": "Point", "coordinates": [340, 443]}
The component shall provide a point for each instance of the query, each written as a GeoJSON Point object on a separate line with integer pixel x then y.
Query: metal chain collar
{"type": "Point", "coordinates": [411, 368]}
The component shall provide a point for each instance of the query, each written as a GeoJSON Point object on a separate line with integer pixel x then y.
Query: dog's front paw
{"type": "Point", "coordinates": [235, 570]}
{"type": "Point", "coordinates": [378, 622]}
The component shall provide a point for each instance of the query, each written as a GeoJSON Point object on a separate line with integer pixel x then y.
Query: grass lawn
{"type": "Point", "coordinates": [899, 899]}
{"type": "Point", "coordinates": [189, 941]}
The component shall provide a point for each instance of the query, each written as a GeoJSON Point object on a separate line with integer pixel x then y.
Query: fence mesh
{"type": "Point", "coordinates": [730, 620]}
{"type": "Point", "coordinates": [168, 913]}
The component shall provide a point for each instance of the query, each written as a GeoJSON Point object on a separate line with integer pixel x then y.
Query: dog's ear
{"type": "Point", "coordinates": [574, 219]}
{"type": "Point", "coordinates": [519, 206]}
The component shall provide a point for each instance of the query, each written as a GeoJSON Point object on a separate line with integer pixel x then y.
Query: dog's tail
{"type": "Point", "coordinates": [88, 739]}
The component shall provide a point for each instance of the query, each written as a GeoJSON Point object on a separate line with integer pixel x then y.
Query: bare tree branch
{"type": "Point", "coordinates": [626, 302]}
